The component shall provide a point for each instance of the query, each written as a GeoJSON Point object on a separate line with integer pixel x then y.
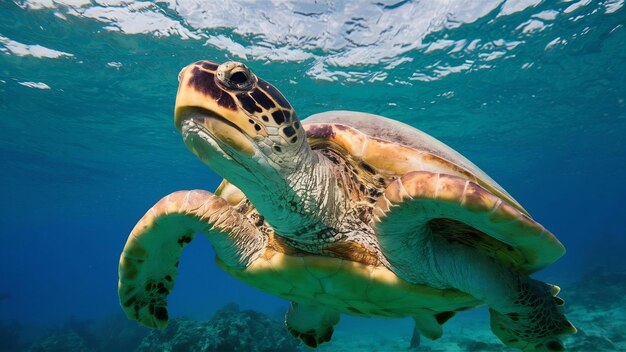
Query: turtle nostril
{"type": "Point", "coordinates": [239, 77]}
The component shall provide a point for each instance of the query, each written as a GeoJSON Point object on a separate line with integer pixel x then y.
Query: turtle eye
{"type": "Point", "coordinates": [239, 77]}
{"type": "Point", "coordinates": [235, 75]}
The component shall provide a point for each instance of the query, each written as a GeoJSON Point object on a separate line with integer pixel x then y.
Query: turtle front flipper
{"type": "Point", "coordinates": [449, 232]}
{"type": "Point", "coordinates": [313, 325]}
{"type": "Point", "coordinates": [149, 261]}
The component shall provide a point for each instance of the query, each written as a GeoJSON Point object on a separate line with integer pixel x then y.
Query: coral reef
{"type": "Point", "coordinates": [229, 330]}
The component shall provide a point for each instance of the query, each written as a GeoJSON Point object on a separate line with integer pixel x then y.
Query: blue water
{"type": "Point", "coordinates": [531, 91]}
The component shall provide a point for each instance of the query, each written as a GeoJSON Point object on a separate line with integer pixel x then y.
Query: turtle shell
{"type": "Point", "coordinates": [393, 149]}
{"type": "Point", "coordinates": [386, 129]}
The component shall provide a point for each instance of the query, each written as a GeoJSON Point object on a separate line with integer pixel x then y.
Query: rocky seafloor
{"type": "Point", "coordinates": [596, 305]}
{"type": "Point", "coordinates": [230, 329]}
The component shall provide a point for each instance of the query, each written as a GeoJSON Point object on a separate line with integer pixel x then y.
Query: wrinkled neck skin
{"type": "Point", "coordinates": [295, 191]}
{"type": "Point", "coordinates": [300, 199]}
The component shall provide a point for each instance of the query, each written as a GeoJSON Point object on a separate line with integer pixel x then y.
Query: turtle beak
{"type": "Point", "coordinates": [198, 88]}
{"type": "Point", "coordinates": [203, 104]}
{"type": "Point", "coordinates": [215, 127]}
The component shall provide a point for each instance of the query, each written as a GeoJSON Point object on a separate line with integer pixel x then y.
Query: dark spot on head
{"type": "Point", "coordinates": [274, 93]}
{"type": "Point", "coordinates": [168, 277]}
{"type": "Point", "coordinates": [204, 82]}
{"type": "Point", "coordinates": [296, 124]}
{"type": "Point", "coordinates": [226, 101]}
{"type": "Point", "coordinates": [262, 99]}
{"type": "Point", "coordinates": [208, 65]}
{"type": "Point", "coordinates": [257, 127]}
{"type": "Point", "coordinates": [248, 103]}
{"type": "Point", "coordinates": [317, 131]}
{"type": "Point", "coordinates": [289, 131]}
{"type": "Point", "coordinates": [294, 139]}
{"type": "Point", "coordinates": [277, 148]}
{"type": "Point", "coordinates": [265, 118]}
{"type": "Point", "coordinates": [287, 115]}
{"type": "Point", "coordinates": [251, 121]}
{"type": "Point", "coordinates": [278, 116]}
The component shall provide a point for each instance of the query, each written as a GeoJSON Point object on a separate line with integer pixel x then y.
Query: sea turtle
{"type": "Point", "coordinates": [343, 212]}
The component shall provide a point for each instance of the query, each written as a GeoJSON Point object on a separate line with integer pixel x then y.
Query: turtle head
{"type": "Point", "coordinates": [246, 131]}
{"type": "Point", "coordinates": [232, 119]}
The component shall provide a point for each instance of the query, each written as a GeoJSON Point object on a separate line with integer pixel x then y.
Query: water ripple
{"type": "Point", "coordinates": [343, 40]}
{"type": "Point", "coordinates": [19, 49]}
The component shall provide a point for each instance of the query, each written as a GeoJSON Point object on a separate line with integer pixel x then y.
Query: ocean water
{"type": "Point", "coordinates": [533, 92]}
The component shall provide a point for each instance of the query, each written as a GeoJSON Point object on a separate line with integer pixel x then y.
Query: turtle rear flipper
{"type": "Point", "coordinates": [149, 262]}
{"type": "Point", "coordinates": [313, 325]}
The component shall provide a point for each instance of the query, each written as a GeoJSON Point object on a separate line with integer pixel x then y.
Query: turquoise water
{"type": "Point", "coordinates": [533, 92]}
